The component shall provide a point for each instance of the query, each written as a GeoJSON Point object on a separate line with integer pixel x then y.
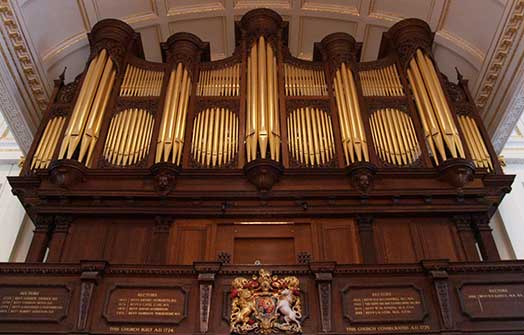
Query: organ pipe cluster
{"type": "Point", "coordinates": [439, 127]}
{"type": "Point", "coordinates": [262, 123]}
{"type": "Point", "coordinates": [475, 143]}
{"type": "Point", "coordinates": [215, 136]}
{"type": "Point", "coordinates": [220, 82]}
{"type": "Point", "coordinates": [381, 82]}
{"type": "Point", "coordinates": [311, 140]}
{"type": "Point", "coordinates": [140, 82]}
{"type": "Point", "coordinates": [86, 119]}
{"type": "Point", "coordinates": [46, 146]}
{"type": "Point", "coordinates": [394, 137]}
{"type": "Point", "coordinates": [171, 136]}
{"type": "Point", "coordinates": [129, 137]}
{"type": "Point", "coordinates": [354, 141]}
{"type": "Point", "coordinates": [301, 81]}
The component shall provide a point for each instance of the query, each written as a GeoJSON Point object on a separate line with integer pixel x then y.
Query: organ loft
{"type": "Point", "coordinates": [261, 193]}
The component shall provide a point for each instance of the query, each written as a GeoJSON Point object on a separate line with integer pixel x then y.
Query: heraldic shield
{"type": "Point", "coordinates": [265, 304]}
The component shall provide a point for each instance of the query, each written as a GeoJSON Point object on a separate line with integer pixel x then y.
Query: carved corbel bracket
{"type": "Point", "coordinates": [457, 172]}
{"type": "Point", "coordinates": [362, 176]}
{"type": "Point", "coordinates": [324, 276]}
{"type": "Point", "coordinates": [206, 277]}
{"type": "Point", "coordinates": [263, 173]}
{"type": "Point", "coordinates": [165, 175]}
{"type": "Point", "coordinates": [67, 173]}
{"type": "Point", "coordinates": [91, 274]}
{"type": "Point", "coordinates": [437, 270]}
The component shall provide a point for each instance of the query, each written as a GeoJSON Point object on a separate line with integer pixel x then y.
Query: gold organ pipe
{"type": "Point", "coordinates": [48, 153]}
{"type": "Point", "coordinates": [214, 146]}
{"type": "Point", "coordinates": [171, 136]}
{"type": "Point", "coordinates": [129, 137]}
{"type": "Point", "coordinates": [180, 114]}
{"type": "Point", "coordinates": [483, 151]}
{"type": "Point", "coordinates": [254, 101]}
{"type": "Point", "coordinates": [262, 126]}
{"type": "Point", "coordinates": [85, 122]}
{"type": "Point", "coordinates": [196, 124]}
{"type": "Point", "coordinates": [344, 123]}
{"type": "Point", "coordinates": [228, 137]}
{"type": "Point", "coordinates": [426, 110]}
{"type": "Point", "coordinates": [108, 148]}
{"type": "Point", "coordinates": [168, 144]}
{"type": "Point", "coordinates": [165, 118]}
{"type": "Point", "coordinates": [72, 130]}
{"type": "Point", "coordinates": [214, 137]}
{"type": "Point", "coordinates": [275, 129]}
{"type": "Point", "coordinates": [271, 101]}
{"type": "Point", "coordinates": [249, 110]}
{"type": "Point", "coordinates": [44, 141]}
{"type": "Point", "coordinates": [310, 136]}
{"type": "Point", "coordinates": [394, 137]}
{"type": "Point", "coordinates": [470, 141]}
{"type": "Point", "coordinates": [221, 138]}
{"type": "Point", "coordinates": [262, 98]}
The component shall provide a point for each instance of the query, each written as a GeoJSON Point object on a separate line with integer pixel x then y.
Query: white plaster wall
{"type": "Point", "coordinates": [511, 213]}
{"type": "Point", "coordinates": [12, 213]}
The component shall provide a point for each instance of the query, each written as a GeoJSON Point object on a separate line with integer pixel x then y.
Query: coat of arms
{"type": "Point", "coordinates": [265, 304]}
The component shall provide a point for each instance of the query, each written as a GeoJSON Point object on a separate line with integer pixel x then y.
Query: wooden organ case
{"type": "Point", "coordinates": [153, 185]}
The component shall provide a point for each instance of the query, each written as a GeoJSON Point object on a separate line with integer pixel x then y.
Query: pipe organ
{"type": "Point", "coordinates": [171, 137]}
{"type": "Point", "coordinates": [310, 136]}
{"type": "Point", "coordinates": [304, 81]}
{"type": "Point", "coordinates": [220, 82]}
{"type": "Point", "coordinates": [383, 81]}
{"type": "Point", "coordinates": [44, 151]}
{"type": "Point", "coordinates": [263, 125]}
{"type": "Point", "coordinates": [86, 118]}
{"type": "Point", "coordinates": [164, 193]}
{"type": "Point", "coordinates": [124, 148]}
{"type": "Point", "coordinates": [214, 139]}
{"type": "Point", "coordinates": [439, 126]}
{"type": "Point", "coordinates": [352, 129]}
{"type": "Point", "coordinates": [394, 137]}
{"type": "Point", "coordinates": [141, 82]}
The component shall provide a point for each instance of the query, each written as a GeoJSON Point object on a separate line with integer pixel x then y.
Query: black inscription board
{"type": "Point", "coordinates": [34, 303]}
{"type": "Point", "coordinates": [383, 304]}
{"type": "Point", "coordinates": [492, 300]}
{"type": "Point", "coordinates": [146, 305]}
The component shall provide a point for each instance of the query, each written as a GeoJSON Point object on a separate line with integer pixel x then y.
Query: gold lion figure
{"type": "Point", "coordinates": [243, 305]}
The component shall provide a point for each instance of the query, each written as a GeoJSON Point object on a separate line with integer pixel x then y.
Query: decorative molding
{"type": "Point", "coordinates": [23, 55]}
{"type": "Point", "coordinates": [500, 56]}
{"type": "Point", "coordinates": [12, 112]}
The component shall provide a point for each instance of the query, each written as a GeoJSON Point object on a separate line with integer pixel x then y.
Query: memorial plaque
{"type": "Point", "coordinates": [384, 304]}
{"type": "Point", "coordinates": [132, 304]}
{"type": "Point", "coordinates": [34, 303]}
{"type": "Point", "coordinates": [492, 300]}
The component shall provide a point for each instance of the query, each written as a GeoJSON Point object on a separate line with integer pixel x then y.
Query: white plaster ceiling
{"type": "Point", "coordinates": [477, 36]}
{"type": "Point", "coordinates": [465, 28]}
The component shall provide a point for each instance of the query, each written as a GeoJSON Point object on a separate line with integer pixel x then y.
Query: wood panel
{"type": "Point", "coordinates": [388, 234]}
{"type": "Point", "coordinates": [277, 250]}
{"type": "Point", "coordinates": [188, 242]}
{"type": "Point", "coordinates": [128, 243]}
{"type": "Point", "coordinates": [340, 241]}
{"type": "Point", "coordinates": [86, 240]}
{"type": "Point", "coordinates": [440, 240]}
{"type": "Point", "coordinates": [267, 242]}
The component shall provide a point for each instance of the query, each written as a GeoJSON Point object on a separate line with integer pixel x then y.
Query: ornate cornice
{"type": "Point", "coordinates": [500, 56]}
{"type": "Point", "coordinates": [23, 56]}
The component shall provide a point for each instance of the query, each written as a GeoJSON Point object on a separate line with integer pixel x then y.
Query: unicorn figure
{"type": "Point", "coordinates": [284, 307]}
